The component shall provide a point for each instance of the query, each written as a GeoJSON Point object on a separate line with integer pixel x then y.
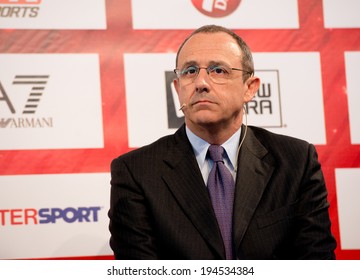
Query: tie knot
{"type": "Point", "coordinates": [216, 153]}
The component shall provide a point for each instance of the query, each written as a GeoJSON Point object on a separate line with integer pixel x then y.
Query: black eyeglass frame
{"type": "Point", "coordinates": [179, 76]}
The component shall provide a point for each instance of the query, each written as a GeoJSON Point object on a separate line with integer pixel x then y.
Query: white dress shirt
{"type": "Point", "coordinates": [201, 147]}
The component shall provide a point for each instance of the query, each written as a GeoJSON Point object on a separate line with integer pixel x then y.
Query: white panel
{"type": "Point", "coordinates": [256, 14]}
{"type": "Point", "coordinates": [45, 216]}
{"type": "Point", "coordinates": [53, 14]}
{"type": "Point", "coordinates": [348, 193]}
{"type": "Point", "coordinates": [300, 91]}
{"type": "Point", "coordinates": [62, 92]}
{"type": "Point", "coordinates": [146, 102]}
{"type": "Point", "coordinates": [352, 65]}
{"type": "Point", "coordinates": [296, 99]}
{"type": "Point", "coordinates": [341, 14]}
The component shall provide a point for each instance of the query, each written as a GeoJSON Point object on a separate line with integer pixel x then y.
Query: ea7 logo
{"type": "Point", "coordinates": [37, 85]}
{"type": "Point", "coordinates": [20, 2]}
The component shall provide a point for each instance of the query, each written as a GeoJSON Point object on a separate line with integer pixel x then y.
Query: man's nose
{"type": "Point", "coordinates": [202, 81]}
{"type": "Point", "coordinates": [203, 72]}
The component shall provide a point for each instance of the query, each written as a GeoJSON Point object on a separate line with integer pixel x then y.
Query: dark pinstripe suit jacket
{"type": "Point", "coordinates": [160, 207]}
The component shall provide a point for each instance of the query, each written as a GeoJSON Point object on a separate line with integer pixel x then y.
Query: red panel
{"type": "Point", "coordinates": [120, 38]}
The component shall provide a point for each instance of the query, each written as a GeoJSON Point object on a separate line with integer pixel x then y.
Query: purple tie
{"type": "Point", "coordinates": [221, 187]}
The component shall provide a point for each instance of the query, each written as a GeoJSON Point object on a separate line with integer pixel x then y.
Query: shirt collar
{"type": "Point", "coordinates": [201, 147]}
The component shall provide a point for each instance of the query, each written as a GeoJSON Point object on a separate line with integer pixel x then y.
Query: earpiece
{"type": "Point", "coordinates": [182, 106]}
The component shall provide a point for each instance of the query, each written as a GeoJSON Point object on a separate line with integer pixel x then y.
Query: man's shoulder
{"type": "Point", "coordinates": [280, 149]}
{"type": "Point", "coordinates": [266, 136]}
{"type": "Point", "coordinates": [162, 144]}
{"type": "Point", "coordinates": [279, 145]}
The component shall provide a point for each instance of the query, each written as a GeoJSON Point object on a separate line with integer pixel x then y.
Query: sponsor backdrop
{"type": "Point", "coordinates": [82, 82]}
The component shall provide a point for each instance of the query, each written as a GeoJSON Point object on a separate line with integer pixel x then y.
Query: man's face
{"type": "Point", "coordinates": [208, 103]}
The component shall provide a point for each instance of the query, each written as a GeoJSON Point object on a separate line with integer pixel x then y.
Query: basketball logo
{"type": "Point", "coordinates": [216, 8]}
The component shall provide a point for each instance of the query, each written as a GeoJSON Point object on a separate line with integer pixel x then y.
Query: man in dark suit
{"type": "Point", "coordinates": [163, 203]}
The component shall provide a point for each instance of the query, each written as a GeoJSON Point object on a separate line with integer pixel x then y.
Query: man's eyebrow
{"type": "Point", "coordinates": [218, 62]}
{"type": "Point", "coordinates": [188, 63]}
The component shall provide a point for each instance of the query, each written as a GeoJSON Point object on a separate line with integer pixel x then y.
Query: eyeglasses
{"type": "Point", "coordinates": [218, 74]}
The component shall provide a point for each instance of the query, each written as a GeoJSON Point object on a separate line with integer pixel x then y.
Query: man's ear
{"type": "Point", "coordinates": [176, 85]}
{"type": "Point", "coordinates": [253, 84]}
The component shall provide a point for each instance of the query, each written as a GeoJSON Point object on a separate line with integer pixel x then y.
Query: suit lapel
{"type": "Point", "coordinates": [185, 181]}
{"type": "Point", "coordinates": [252, 177]}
